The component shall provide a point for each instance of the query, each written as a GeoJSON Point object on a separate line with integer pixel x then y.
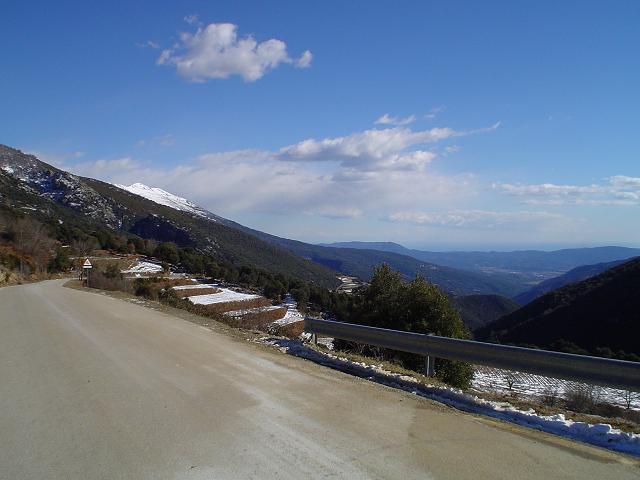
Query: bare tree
{"type": "Point", "coordinates": [33, 240]}
{"type": "Point", "coordinates": [84, 246]}
{"type": "Point", "coordinates": [629, 397]}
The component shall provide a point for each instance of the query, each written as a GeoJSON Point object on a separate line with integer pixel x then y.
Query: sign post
{"type": "Point", "coordinates": [86, 269]}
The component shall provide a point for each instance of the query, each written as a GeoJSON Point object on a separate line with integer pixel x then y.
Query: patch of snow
{"type": "Point", "coordinates": [8, 169]}
{"type": "Point", "coordinates": [488, 379]}
{"type": "Point", "coordinates": [144, 267]}
{"type": "Point", "coordinates": [162, 197]}
{"type": "Point", "coordinates": [195, 286]}
{"type": "Point", "coordinates": [293, 314]}
{"type": "Point", "coordinates": [247, 311]}
{"type": "Point", "coordinates": [225, 295]}
{"type": "Point", "coordinates": [600, 434]}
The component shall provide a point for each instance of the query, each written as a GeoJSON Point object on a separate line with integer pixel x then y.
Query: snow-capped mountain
{"type": "Point", "coordinates": [162, 197]}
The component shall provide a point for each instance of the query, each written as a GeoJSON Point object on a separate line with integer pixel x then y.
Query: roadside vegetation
{"type": "Point", "coordinates": [387, 302]}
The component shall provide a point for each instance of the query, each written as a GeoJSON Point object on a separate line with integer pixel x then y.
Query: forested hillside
{"type": "Point", "coordinates": [600, 316]}
{"type": "Point", "coordinates": [575, 275]}
{"type": "Point", "coordinates": [362, 263]}
{"type": "Point", "coordinates": [478, 310]}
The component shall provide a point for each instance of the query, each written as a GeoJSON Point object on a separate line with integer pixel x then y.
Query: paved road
{"type": "Point", "coordinates": [98, 388]}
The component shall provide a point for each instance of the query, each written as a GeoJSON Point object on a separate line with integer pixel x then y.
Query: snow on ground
{"type": "Point", "coordinates": [496, 380]}
{"type": "Point", "coordinates": [195, 286]}
{"type": "Point", "coordinates": [225, 295]}
{"type": "Point", "coordinates": [247, 311]}
{"type": "Point", "coordinates": [600, 434]}
{"type": "Point", "coordinates": [165, 198]}
{"type": "Point", "coordinates": [292, 315]}
{"type": "Point", "coordinates": [144, 267]}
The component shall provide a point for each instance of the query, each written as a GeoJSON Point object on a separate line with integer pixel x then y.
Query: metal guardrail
{"type": "Point", "coordinates": [599, 371]}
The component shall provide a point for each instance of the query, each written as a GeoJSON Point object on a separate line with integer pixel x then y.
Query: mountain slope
{"type": "Point", "coordinates": [479, 310]}
{"type": "Point", "coordinates": [162, 197]}
{"type": "Point", "coordinates": [360, 263]}
{"type": "Point", "coordinates": [99, 205]}
{"type": "Point", "coordinates": [159, 215]}
{"type": "Point", "coordinates": [575, 275]}
{"type": "Point", "coordinates": [355, 262]}
{"type": "Point", "coordinates": [600, 312]}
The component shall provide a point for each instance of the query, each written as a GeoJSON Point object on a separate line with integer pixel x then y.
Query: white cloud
{"type": "Point", "coordinates": [100, 167]}
{"type": "Point", "coordinates": [305, 60]}
{"type": "Point", "coordinates": [623, 181]}
{"type": "Point", "coordinates": [336, 212]}
{"type": "Point", "coordinates": [215, 51]}
{"type": "Point", "coordinates": [148, 44]}
{"type": "Point", "coordinates": [59, 160]}
{"type": "Point", "coordinates": [431, 114]}
{"type": "Point", "coordinates": [452, 149]}
{"type": "Point", "coordinates": [192, 19]}
{"type": "Point", "coordinates": [471, 218]}
{"type": "Point", "coordinates": [397, 148]}
{"type": "Point", "coordinates": [370, 150]}
{"type": "Point", "coordinates": [386, 119]}
{"type": "Point", "coordinates": [166, 140]}
{"type": "Point", "coordinates": [616, 190]}
{"type": "Point", "coordinates": [362, 175]}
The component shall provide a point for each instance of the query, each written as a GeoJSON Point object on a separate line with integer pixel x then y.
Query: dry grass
{"type": "Point", "coordinates": [256, 320]}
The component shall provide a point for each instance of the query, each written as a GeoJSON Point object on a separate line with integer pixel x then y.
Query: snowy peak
{"type": "Point", "coordinates": [162, 197]}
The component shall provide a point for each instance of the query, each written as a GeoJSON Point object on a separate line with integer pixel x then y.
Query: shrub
{"type": "Point", "coordinates": [416, 306]}
{"type": "Point", "coordinates": [60, 261]}
{"type": "Point", "coordinates": [454, 373]}
{"type": "Point", "coordinates": [583, 398]}
{"type": "Point", "coordinates": [102, 281]}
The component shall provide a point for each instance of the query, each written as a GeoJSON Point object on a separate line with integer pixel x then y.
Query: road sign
{"type": "Point", "coordinates": [87, 264]}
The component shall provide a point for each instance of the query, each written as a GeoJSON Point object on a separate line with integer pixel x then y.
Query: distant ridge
{"type": "Point", "coordinates": [523, 261]}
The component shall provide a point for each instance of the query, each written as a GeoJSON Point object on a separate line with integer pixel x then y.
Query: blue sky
{"type": "Point", "coordinates": [499, 124]}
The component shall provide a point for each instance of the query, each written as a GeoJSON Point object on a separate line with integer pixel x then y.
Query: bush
{"type": "Point", "coordinates": [454, 373]}
{"type": "Point", "coordinates": [416, 306]}
{"type": "Point", "coordinates": [102, 281]}
{"type": "Point", "coordinates": [60, 262]}
{"type": "Point", "coordinates": [583, 398]}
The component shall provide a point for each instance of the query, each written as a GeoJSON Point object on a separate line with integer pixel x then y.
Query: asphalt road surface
{"type": "Point", "coordinates": [93, 387]}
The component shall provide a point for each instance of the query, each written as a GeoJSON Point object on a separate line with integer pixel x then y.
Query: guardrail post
{"type": "Point", "coordinates": [429, 366]}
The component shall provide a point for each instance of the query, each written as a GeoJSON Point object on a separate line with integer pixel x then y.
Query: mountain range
{"type": "Point", "coordinates": [529, 266]}
{"type": "Point", "coordinates": [156, 214]}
